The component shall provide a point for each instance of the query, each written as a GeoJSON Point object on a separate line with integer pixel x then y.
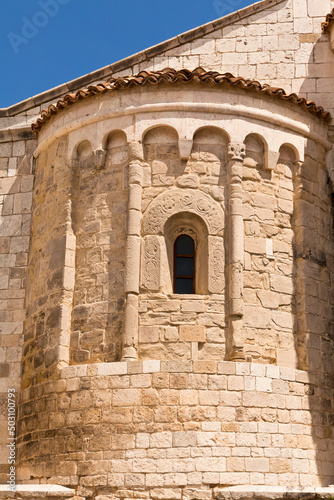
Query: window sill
{"type": "Point", "coordinates": [188, 296]}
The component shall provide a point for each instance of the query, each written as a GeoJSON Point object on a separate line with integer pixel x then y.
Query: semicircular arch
{"type": "Point", "coordinates": [176, 201]}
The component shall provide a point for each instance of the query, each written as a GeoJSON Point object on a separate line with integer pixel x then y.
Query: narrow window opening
{"type": "Point", "coordinates": [184, 264]}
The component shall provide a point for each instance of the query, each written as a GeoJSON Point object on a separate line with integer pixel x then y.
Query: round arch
{"type": "Point", "coordinates": [183, 200]}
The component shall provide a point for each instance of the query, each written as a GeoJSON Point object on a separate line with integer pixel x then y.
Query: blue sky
{"type": "Point", "coordinates": [45, 43]}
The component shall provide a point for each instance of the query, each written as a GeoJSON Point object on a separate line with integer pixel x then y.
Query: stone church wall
{"type": "Point", "coordinates": [186, 413]}
{"type": "Point", "coordinates": [165, 426]}
{"type": "Point", "coordinates": [99, 221]}
{"type": "Point", "coordinates": [16, 184]}
{"type": "Point", "coordinates": [179, 417]}
{"type": "Point", "coordinates": [282, 46]}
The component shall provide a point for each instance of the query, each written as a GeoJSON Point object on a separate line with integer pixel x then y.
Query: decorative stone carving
{"type": "Point", "coordinates": [151, 261]}
{"type": "Point", "coordinates": [236, 151]}
{"type": "Point", "coordinates": [187, 181]}
{"type": "Point", "coordinates": [176, 201]}
{"type": "Point", "coordinates": [216, 265]}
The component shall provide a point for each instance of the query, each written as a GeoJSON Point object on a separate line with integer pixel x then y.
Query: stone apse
{"type": "Point", "coordinates": [133, 389]}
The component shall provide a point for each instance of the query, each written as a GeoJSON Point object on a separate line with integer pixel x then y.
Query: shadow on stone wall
{"type": "Point", "coordinates": [314, 258]}
{"type": "Point", "coordinates": [313, 286]}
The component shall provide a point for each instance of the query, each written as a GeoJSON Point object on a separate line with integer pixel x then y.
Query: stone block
{"type": "Point", "coordinates": [112, 368]}
{"type": "Point", "coordinates": [177, 366]}
{"type": "Point", "coordinates": [205, 366]}
{"type": "Point", "coordinates": [122, 442]}
{"type": "Point", "coordinates": [257, 464]}
{"type": "Point", "coordinates": [184, 439]}
{"type": "Point", "coordinates": [217, 382]}
{"type": "Point", "coordinates": [117, 415]}
{"type": "Point", "coordinates": [282, 320]}
{"type": "Point", "coordinates": [209, 398]}
{"type": "Point", "coordinates": [27, 183]}
{"type": "Point", "coordinates": [175, 479]}
{"type": "Point", "coordinates": [268, 299]}
{"type": "Point", "coordinates": [149, 334]}
{"type": "Point", "coordinates": [188, 397]}
{"type": "Point", "coordinates": [281, 284]}
{"type": "Point", "coordinates": [226, 368]}
{"type": "Point", "coordinates": [192, 306]}
{"type": "Point", "coordinates": [11, 225]}
{"type": "Point", "coordinates": [209, 464]}
{"type": "Point", "coordinates": [235, 383]}
{"type": "Point", "coordinates": [161, 440]}
{"type": "Point", "coordinates": [126, 397]}
{"type": "Point", "coordinates": [134, 480]}
{"type": "Point", "coordinates": [19, 244]}
{"type": "Point", "coordinates": [192, 333]}
{"type": "Point", "coordinates": [141, 380]}
{"type": "Point", "coordinates": [22, 203]}
{"type": "Point", "coordinates": [253, 319]}
{"type": "Point", "coordinates": [318, 10]}
{"type": "Point", "coordinates": [151, 366]}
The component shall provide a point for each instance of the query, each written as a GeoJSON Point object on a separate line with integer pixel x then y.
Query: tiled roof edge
{"type": "Point", "coordinates": [172, 76]}
{"type": "Point", "coordinates": [326, 24]}
{"type": "Point", "coordinates": [123, 64]}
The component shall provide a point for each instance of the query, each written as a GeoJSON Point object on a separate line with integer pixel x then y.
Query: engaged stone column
{"type": "Point", "coordinates": [235, 347]}
{"type": "Point", "coordinates": [302, 253]}
{"type": "Point", "coordinates": [130, 337]}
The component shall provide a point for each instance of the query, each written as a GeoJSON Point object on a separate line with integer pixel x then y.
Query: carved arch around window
{"type": "Point", "coordinates": [193, 214]}
{"type": "Point", "coordinates": [193, 227]}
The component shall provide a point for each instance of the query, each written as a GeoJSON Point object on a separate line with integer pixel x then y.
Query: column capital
{"type": "Point", "coordinates": [236, 151]}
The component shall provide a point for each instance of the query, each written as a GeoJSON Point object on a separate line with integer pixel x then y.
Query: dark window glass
{"type": "Point", "coordinates": [184, 265]}
{"type": "Point", "coordinates": [183, 285]}
{"type": "Point", "coordinates": [184, 245]}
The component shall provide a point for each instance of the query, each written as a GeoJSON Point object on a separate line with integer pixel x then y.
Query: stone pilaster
{"type": "Point", "coordinates": [236, 154]}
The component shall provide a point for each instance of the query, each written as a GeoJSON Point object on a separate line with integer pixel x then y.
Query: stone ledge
{"type": "Point", "coordinates": [17, 134]}
{"type": "Point", "coordinates": [263, 376]}
{"type": "Point", "coordinates": [220, 367]}
{"type": "Point", "coordinates": [247, 492]}
{"type": "Point", "coordinates": [32, 491]}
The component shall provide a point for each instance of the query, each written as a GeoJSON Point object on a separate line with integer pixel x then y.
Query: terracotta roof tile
{"type": "Point", "coordinates": [326, 24]}
{"type": "Point", "coordinates": [171, 76]}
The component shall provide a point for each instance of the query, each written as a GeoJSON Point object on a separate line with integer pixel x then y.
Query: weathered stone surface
{"type": "Point", "coordinates": [180, 419]}
{"type": "Point", "coordinates": [190, 333]}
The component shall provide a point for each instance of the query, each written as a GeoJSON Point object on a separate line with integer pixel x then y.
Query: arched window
{"type": "Point", "coordinates": [184, 264]}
